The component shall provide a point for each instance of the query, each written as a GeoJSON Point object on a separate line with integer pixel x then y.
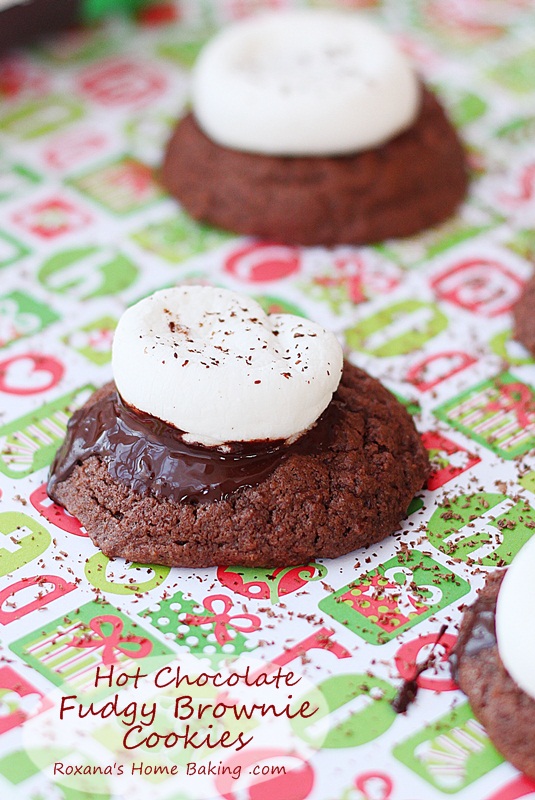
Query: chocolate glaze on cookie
{"type": "Point", "coordinates": [351, 489]}
{"type": "Point", "coordinates": [506, 712]}
{"type": "Point", "coordinates": [151, 457]}
{"type": "Point", "coordinates": [410, 183]}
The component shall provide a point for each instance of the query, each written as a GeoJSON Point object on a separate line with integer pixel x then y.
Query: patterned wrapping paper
{"type": "Point", "coordinates": [85, 230]}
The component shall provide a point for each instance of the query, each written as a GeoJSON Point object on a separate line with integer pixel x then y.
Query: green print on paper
{"type": "Point", "coordinates": [93, 10]}
{"type": "Point", "coordinates": [523, 243]}
{"type": "Point", "coordinates": [453, 529]}
{"type": "Point", "coordinates": [40, 117]}
{"type": "Point", "coordinates": [450, 235]}
{"type": "Point", "coordinates": [11, 249]}
{"type": "Point", "coordinates": [498, 413]}
{"type": "Point", "coordinates": [20, 765]}
{"type": "Point", "coordinates": [96, 573]}
{"type": "Point", "coordinates": [17, 766]}
{"type": "Point", "coordinates": [528, 481]}
{"type": "Point", "coordinates": [67, 650]}
{"type": "Point", "coordinates": [182, 53]}
{"type": "Point", "coordinates": [24, 764]}
{"type": "Point", "coordinates": [30, 442]}
{"type": "Point", "coordinates": [397, 329]}
{"type": "Point", "coordinates": [206, 631]}
{"type": "Point", "coordinates": [16, 179]}
{"type": "Point", "coordinates": [179, 237]}
{"type": "Point", "coordinates": [467, 107]}
{"type": "Point", "coordinates": [22, 540]}
{"type": "Point", "coordinates": [147, 135]}
{"type": "Point", "coordinates": [451, 753]}
{"type": "Point", "coordinates": [122, 187]}
{"type": "Point", "coordinates": [415, 505]}
{"type": "Point", "coordinates": [519, 130]}
{"type": "Point", "coordinates": [93, 341]}
{"type": "Point", "coordinates": [278, 305]}
{"type": "Point", "coordinates": [464, 107]}
{"type": "Point", "coordinates": [336, 295]}
{"type": "Point", "coordinates": [21, 315]}
{"type": "Point", "coordinates": [375, 714]}
{"type": "Point", "coordinates": [394, 597]}
{"type": "Point", "coordinates": [86, 272]}
{"type": "Point", "coordinates": [503, 343]}
{"type": "Point", "coordinates": [516, 73]}
{"type": "Point", "coordinates": [414, 251]}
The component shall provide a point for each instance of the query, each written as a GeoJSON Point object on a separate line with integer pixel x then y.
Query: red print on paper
{"type": "Point", "coordinates": [482, 286]}
{"type": "Point", "coordinates": [435, 369]}
{"type": "Point", "coordinates": [30, 373]}
{"type": "Point", "coordinates": [448, 459]}
{"type": "Point", "coordinates": [19, 77]}
{"type": "Point", "coordinates": [217, 613]}
{"type": "Point", "coordinates": [54, 513]}
{"type": "Point", "coordinates": [106, 633]}
{"type": "Point", "coordinates": [524, 191]}
{"type": "Point", "coordinates": [257, 263]}
{"type": "Point", "coordinates": [72, 148]}
{"type": "Point", "coordinates": [19, 700]}
{"type": "Point", "coordinates": [410, 654]}
{"type": "Point", "coordinates": [120, 82]}
{"type": "Point", "coordinates": [51, 218]}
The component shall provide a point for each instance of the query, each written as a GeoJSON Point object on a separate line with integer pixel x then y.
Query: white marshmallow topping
{"type": "Point", "coordinates": [304, 82]}
{"type": "Point", "coordinates": [211, 363]}
{"type": "Point", "coordinates": [515, 631]}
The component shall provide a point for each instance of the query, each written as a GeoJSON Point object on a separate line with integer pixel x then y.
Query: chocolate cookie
{"type": "Point", "coordinates": [506, 712]}
{"type": "Point", "coordinates": [23, 22]}
{"type": "Point", "coordinates": [143, 494]}
{"type": "Point", "coordinates": [410, 183]}
{"type": "Point", "coordinates": [524, 330]}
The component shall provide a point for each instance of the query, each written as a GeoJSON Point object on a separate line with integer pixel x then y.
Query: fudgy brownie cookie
{"type": "Point", "coordinates": [506, 712]}
{"type": "Point", "coordinates": [344, 484]}
{"type": "Point", "coordinates": [409, 183]}
{"type": "Point", "coordinates": [524, 317]}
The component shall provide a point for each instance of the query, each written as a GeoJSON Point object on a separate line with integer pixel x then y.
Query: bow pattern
{"type": "Point", "coordinates": [222, 620]}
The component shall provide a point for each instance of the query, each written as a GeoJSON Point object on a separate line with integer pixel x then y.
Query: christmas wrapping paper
{"type": "Point", "coordinates": [85, 230]}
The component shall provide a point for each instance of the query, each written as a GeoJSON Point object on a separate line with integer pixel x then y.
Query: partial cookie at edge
{"type": "Point", "coordinates": [506, 712]}
{"type": "Point", "coordinates": [524, 317]}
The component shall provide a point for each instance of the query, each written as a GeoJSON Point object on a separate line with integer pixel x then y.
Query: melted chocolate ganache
{"type": "Point", "coordinates": [149, 455]}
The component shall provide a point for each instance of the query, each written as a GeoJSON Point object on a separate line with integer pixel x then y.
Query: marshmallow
{"type": "Point", "coordinates": [303, 82]}
{"type": "Point", "coordinates": [514, 629]}
{"type": "Point", "coordinates": [211, 363]}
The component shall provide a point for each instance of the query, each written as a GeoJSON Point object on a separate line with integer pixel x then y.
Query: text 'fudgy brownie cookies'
{"type": "Point", "coordinates": [310, 127]}
{"type": "Point", "coordinates": [231, 437]}
{"type": "Point", "coordinates": [524, 317]}
{"type": "Point", "coordinates": [493, 661]}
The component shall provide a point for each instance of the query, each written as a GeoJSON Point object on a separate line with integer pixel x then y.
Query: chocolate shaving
{"type": "Point", "coordinates": [406, 694]}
